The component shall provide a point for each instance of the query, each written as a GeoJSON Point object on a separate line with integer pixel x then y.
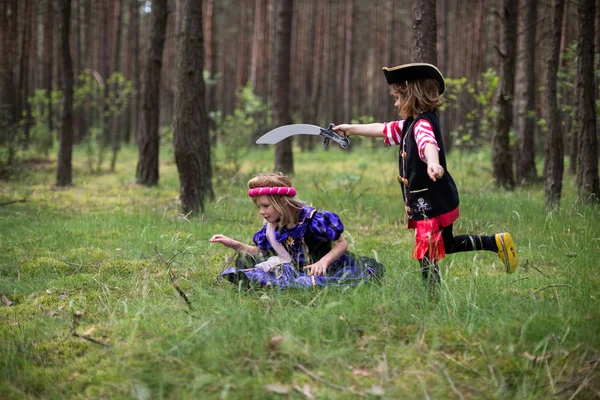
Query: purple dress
{"type": "Point", "coordinates": [306, 243]}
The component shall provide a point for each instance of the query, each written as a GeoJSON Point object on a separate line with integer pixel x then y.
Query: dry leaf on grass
{"type": "Point", "coordinates": [89, 331]}
{"type": "Point", "coordinates": [6, 301]}
{"type": "Point", "coordinates": [277, 388]}
{"type": "Point", "coordinates": [305, 390]}
{"type": "Point", "coordinates": [376, 390]}
{"type": "Point", "coordinates": [360, 371]}
{"type": "Point", "coordinates": [274, 342]}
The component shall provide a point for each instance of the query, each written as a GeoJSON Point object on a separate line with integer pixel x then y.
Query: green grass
{"type": "Point", "coordinates": [92, 259]}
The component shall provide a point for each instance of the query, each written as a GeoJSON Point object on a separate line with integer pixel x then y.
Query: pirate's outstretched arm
{"type": "Point", "coordinates": [374, 129]}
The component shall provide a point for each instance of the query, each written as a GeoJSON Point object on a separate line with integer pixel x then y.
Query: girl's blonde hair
{"type": "Point", "coordinates": [287, 207]}
{"type": "Point", "coordinates": [416, 96]}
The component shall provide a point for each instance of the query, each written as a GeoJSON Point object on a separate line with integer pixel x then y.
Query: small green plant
{"type": "Point", "coordinates": [236, 131]}
{"type": "Point", "coordinates": [41, 138]}
{"type": "Point", "coordinates": [474, 131]}
{"type": "Point", "coordinates": [89, 95]}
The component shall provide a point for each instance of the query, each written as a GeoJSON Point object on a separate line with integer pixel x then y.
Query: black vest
{"type": "Point", "coordinates": [425, 198]}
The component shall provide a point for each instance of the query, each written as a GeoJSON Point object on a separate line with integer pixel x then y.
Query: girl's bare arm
{"type": "Point", "coordinates": [374, 129]}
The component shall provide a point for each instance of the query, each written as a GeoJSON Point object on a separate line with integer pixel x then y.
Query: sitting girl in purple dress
{"type": "Point", "coordinates": [298, 246]}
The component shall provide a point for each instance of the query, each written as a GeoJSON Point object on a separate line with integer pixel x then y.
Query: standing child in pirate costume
{"type": "Point", "coordinates": [299, 246]}
{"type": "Point", "coordinates": [430, 194]}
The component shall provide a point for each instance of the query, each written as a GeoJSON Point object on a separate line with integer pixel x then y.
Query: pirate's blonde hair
{"type": "Point", "coordinates": [416, 96]}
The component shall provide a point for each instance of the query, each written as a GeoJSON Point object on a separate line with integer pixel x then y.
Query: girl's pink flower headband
{"type": "Point", "coordinates": [276, 190]}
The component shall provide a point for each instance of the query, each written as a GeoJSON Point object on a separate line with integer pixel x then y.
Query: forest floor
{"type": "Point", "coordinates": [90, 306]}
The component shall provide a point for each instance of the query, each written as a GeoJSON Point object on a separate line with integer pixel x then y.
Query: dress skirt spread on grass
{"type": "Point", "coordinates": [305, 244]}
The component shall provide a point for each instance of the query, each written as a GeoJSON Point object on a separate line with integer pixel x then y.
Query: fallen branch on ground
{"type": "Point", "coordinates": [13, 201]}
{"type": "Point", "coordinates": [551, 286]}
{"type": "Point", "coordinates": [172, 278]}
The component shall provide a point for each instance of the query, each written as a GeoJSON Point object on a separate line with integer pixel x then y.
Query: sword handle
{"type": "Point", "coordinates": [329, 134]}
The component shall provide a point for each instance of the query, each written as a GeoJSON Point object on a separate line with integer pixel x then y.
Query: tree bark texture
{"type": "Point", "coordinates": [191, 140]}
{"type": "Point", "coordinates": [116, 134]}
{"type": "Point", "coordinates": [587, 175]}
{"type": "Point", "coordinates": [24, 109]}
{"type": "Point", "coordinates": [49, 61]}
{"type": "Point", "coordinates": [424, 23]}
{"type": "Point", "coordinates": [554, 167]}
{"type": "Point", "coordinates": [525, 93]}
{"type": "Point", "coordinates": [284, 158]}
{"type": "Point", "coordinates": [134, 9]}
{"type": "Point", "coordinates": [501, 151]}
{"type": "Point", "coordinates": [147, 167]}
{"type": "Point", "coordinates": [64, 174]}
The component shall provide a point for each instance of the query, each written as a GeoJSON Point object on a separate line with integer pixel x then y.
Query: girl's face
{"type": "Point", "coordinates": [266, 210]}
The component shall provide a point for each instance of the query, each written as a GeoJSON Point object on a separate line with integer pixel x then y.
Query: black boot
{"type": "Point", "coordinates": [431, 275]}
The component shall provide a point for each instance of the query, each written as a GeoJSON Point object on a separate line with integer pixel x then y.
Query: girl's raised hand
{"type": "Point", "coordinates": [224, 240]}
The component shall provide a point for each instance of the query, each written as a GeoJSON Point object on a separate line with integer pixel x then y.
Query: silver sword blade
{"type": "Point", "coordinates": [285, 131]}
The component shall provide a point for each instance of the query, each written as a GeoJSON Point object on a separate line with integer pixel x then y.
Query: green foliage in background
{"type": "Point", "coordinates": [40, 136]}
{"type": "Point", "coordinates": [89, 95]}
{"type": "Point", "coordinates": [475, 129]}
{"type": "Point", "coordinates": [236, 132]}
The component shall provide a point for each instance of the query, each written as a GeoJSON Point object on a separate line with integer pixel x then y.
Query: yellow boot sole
{"type": "Point", "coordinates": [507, 251]}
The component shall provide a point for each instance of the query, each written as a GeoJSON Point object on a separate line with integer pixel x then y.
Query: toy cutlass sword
{"type": "Point", "coordinates": [285, 131]}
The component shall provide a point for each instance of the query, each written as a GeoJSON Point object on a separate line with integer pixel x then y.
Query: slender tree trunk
{"type": "Point", "coordinates": [284, 158]}
{"type": "Point", "coordinates": [444, 67]}
{"type": "Point", "coordinates": [64, 174]}
{"type": "Point", "coordinates": [8, 39]}
{"type": "Point", "coordinates": [424, 24]}
{"type": "Point", "coordinates": [347, 60]}
{"type": "Point", "coordinates": [104, 68]}
{"type": "Point", "coordinates": [24, 108]}
{"type": "Point", "coordinates": [147, 167]}
{"type": "Point", "coordinates": [554, 167]}
{"type": "Point", "coordinates": [126, 116]}
{"type": "Point", "coordinates": [587, 175]}
{"type": "Point", "coordinates": [116, 128]}
{"type": "Point", "coordinates": [241, 75]}
{"type": "Point", "coordinates": [135, 90]}
{"type": "Point", "coordinates": [210, 51]}
{"type": "Point", "coordinates": [48, 63]}
{"type": "Point", "coordinates": [525, 93]}
{"type": "Point", "coordinates": [501, 153]}
{"type": "Point", "coordinates": [191, 141]}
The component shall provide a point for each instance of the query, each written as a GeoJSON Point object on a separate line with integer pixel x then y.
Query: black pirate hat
{"type": "Point", "coordinates": [410, 72]}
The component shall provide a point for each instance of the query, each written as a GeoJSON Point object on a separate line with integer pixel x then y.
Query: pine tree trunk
{"type": "Point", "coordinates": [147, 167]}
{"type": "Point", "coordinates": [587, 175]}
{"type": "Point", "coordinates": [554, 167]}
{"type": "Point", "coordinates": [210, 44]}
{"type": "Point", "coordinates": [191, 140]}
{"type": "Point", "coordinates": [22, 103]}
{"type": "Point", "coordinates": [347, 61]}
{"type": "Point", "coordinates": [501, 152]}
{"type": "Point", "coordinates": [424, 23]}
{"type": "Point", "coordinates": [64, 171]}
{"type": "Point", "coordinates": [525, 93]}
{"type": "Point", "coordinates": [135, 89]}
{"type": "Point", "coordinates": [284, 158]}
{"type": "Point", "coordinates": [116, 128]}
{"type": "Point", "coordinates": [48, 63]}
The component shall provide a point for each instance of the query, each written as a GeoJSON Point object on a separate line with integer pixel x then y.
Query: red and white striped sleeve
{"type": "Point", "coordinates": [392, 132]}
{"type": "Point", "coordinates": [423, 132]}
